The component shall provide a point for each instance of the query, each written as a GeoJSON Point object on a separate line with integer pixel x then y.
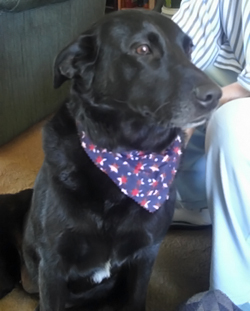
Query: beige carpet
{"type": "Point", "coordinates": [181, 269]}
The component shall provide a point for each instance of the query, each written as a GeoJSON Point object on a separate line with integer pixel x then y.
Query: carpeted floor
{"type": "Point", "coordinates": [182, 266]}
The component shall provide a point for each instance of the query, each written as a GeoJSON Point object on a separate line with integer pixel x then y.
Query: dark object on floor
{"type": "Point", "coordinates": [213, 300]}
{"type": "Point", "coordinates": [87, 242]}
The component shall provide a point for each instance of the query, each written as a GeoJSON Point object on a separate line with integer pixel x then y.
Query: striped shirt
{"type": "Point", "coordinates": [220, 30]}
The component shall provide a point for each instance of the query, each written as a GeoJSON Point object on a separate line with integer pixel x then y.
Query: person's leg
{"type": "Point", "coordinates": [190, 180]}
{"type": "Point", "coordinates": [191, 205]}
{"type": "Point", "coordinates": [228, 194]}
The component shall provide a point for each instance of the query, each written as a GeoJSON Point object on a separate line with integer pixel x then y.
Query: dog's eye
{"type": "Point", "coordinates": [143, 49]}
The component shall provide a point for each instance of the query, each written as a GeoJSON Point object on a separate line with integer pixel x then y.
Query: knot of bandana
{"type": "Point", "coordinates": [145, 177]}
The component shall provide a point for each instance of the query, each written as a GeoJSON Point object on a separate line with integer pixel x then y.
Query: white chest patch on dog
{"type": "Point", "coordinates": [102, 273]}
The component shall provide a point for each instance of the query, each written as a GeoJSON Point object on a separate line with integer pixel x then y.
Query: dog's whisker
{"type": "Point", "coordinates": [160, 107]}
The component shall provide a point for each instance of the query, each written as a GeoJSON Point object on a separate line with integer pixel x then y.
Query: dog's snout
{"type": "Point", "coordinates": [207, 94]}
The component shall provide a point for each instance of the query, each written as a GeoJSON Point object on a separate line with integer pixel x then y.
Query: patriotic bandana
{"type": "Point", "coordinates": [143, 176]}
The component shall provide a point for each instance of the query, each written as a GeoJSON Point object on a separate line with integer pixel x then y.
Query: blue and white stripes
{"type": "Point", "coordinates": [220, 30]}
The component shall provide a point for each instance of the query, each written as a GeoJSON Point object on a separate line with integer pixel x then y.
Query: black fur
{"type": "Point", "coordinates": [133, 87]}
{"type": "Point", "coordinates": [13, 209]}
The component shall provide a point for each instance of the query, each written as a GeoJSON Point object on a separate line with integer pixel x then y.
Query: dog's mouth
{"type": "Point", "coordinates": [195, 123]}
{"type": "Point", "coordinates": [198, 121]}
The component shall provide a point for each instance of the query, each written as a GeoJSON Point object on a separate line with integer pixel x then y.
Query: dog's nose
{"type": "Point", "coordinates": [207, 94]}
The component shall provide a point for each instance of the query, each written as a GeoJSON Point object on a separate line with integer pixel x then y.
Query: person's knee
{"type": "Point", "coordinates": [229, 127]}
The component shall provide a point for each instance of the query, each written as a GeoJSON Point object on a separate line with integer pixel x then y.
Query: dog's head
{"type": "Point", "coordinates": [133, 80]}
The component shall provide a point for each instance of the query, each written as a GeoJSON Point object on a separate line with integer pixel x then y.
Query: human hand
{"type": "Point", "coordinates": [231, 92]}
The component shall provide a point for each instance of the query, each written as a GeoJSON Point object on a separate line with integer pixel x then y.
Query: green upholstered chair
{"type": "Point", "coordinates": [32, 32]}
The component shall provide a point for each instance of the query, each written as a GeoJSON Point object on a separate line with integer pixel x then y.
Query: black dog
{"type": "Point", "coordinates": [86, 242]}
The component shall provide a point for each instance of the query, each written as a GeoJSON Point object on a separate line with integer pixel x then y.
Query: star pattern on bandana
{"type": "Point", "coordinates": [143, 176]}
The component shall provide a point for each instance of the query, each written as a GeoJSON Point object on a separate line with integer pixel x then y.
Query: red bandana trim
{"type": "Point", "coordinates": [143, 176]}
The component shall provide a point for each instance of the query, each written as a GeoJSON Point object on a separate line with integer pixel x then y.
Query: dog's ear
{"type": "Point", "coordinates": [75, 58]}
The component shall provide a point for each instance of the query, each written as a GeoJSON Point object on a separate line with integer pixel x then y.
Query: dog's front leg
{"type": "Point", "coordinates": [139, 273]}
{"type": "Point", "coordinates": [52, 289]}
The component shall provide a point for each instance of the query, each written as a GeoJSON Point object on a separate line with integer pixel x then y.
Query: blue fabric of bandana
{"type": "Point", "coordinates": [143, 176]}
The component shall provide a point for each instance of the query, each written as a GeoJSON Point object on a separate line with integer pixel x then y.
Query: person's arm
{"type": "Point", "coordinates": [233, 91]}
{"type": "Point", "coordinates": [241, 88]}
